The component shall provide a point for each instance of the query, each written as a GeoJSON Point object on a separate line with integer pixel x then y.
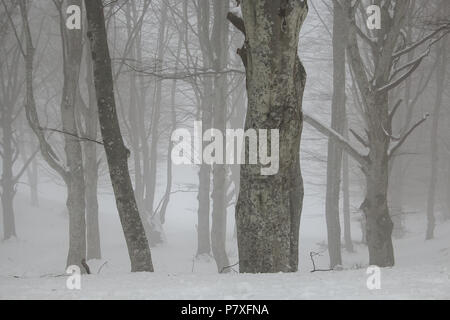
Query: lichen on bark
{"type": "Point", "coordinates": [269, 207]}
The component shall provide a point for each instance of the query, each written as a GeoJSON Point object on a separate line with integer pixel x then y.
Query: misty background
{"type": "Point", "coordinates": [175, 62]}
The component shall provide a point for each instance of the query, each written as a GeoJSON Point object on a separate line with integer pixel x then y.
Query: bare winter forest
{"type": "Point", "coordinates": [222, 149]}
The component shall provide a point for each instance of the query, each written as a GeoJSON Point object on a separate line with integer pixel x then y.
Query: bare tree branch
{"type": "Point", "coordinates": [339, 139]}
{"type": "Point", "coordinates": [407, 134]}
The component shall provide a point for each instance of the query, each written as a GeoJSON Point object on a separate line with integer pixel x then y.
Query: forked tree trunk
{"type": "Point", "coordinates": [379, 225]}
{"type": "Point", "coordinates": [378, 118]}
{"type": "Point", "coordinates": [269, 207]}
{"type": "Point", "coordinates": [116, 152]}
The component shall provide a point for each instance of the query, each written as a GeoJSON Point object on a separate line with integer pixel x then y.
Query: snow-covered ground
{"type": "Point", "coordinates": [32, 266]}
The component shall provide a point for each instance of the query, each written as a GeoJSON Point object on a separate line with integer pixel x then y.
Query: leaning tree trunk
{"type": "Point", "coordinates": [116, 152]}
{"type": "Point", "coordinates": [269, 207]}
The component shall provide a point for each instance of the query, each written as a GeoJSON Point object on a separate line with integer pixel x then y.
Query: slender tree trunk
{"type": "Point", "coordinates": [156, 233]}
{"type": "Point", "coordinates": [134, 118]}
{"type": "Point", "coordinates": [440, 80]}
{"type": "Point", "coordinates": [91, 169]}
{"type": "Point", "coordinates": [204, 188]}
{"type": "Point", "coordinates": [138, 133]}
{"type": "Point", "coordinates": [76, 205]}
{"type": "Point", "coordinates": [334, 163]}
{"type": "Point", "coordinates": [203, 235]}
{"type": "Point", "coordinates": [269, 207]}
{"type": "Point", "coordinates": [33, 179]}
{"type": "Point", "coordinates": [346, 198]}
{"type": "Point", "coordinates": [7, 178]}
{"type": "Point", "coordinates": [116, 152]}
{"type": "Point", "coordinates": [447, 212]}
{"type": "Point", "coordinates": [219, 193]}
{"type": "Point", "coordinates": [173, 117]}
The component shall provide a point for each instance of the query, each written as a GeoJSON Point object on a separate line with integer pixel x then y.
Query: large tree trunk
{"type": "Point", "coordinates": [440, 80]}
{"type": "Point", "coordinates": [334, 163]}
{"type": "Point", "coordinates": [379, 225]}
{"type": "Point", "coordinates": [269, 207]}
{"type": "Point", "coordinates": [116, 152]}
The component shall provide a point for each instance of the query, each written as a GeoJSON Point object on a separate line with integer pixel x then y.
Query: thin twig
{"type": "Point", "coordinates": [312, 255]}
{"type": "Point", "coordinates": [229, 267]}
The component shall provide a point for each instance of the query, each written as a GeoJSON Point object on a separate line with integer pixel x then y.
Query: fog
{"type": "Point", "coordinates": [214, 149]}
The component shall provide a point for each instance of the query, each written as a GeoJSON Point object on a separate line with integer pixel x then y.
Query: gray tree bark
{"type": "Point", "coordinates": [136, 112]}
{"type": "Point", "coordinates": [204, 176]}
{"type": "Point", "coordinates": [91, 165]}
{"type": "Point", "coordinates": [173, 117]}
{"type": "Point", "coordinates": [7, 178]}
{"type": "Point", "coordinates": [375, 98]}
{"type": "Point", "coordinates": [348, 242]}
{"type": "Point", "coordinates": [269, 207]}
{"type": "Point", "coordinates": [116, 152]}
{"type": "Point", "coordinates": [33, 179]}
{"type": "Point", "coordinates": [73, 177]}
{"type": "Point", "coordinates": [76, 205]}
{"type": "Point", "coordinates": [334, 163]}
{"type": "Point", "coordinates": [220, 34]}
{"type": "Point", "coordinates": [156, 232]}
{"type": "Point", "coordinates": [434, 142]}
